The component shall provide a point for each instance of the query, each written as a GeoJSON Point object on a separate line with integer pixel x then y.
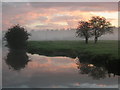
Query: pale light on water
{"type": "Point", "coordinates": [52, 72]}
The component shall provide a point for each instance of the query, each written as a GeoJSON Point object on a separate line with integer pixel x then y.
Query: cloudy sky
{"type": "Point", "coordinates": [55, 15]}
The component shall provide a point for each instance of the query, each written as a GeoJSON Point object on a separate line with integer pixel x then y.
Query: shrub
{"type": "Point", "coordinates": [17, 37]}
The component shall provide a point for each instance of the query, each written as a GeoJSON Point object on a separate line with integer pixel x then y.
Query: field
{"type": "Point", "coordinates": [73, 48]}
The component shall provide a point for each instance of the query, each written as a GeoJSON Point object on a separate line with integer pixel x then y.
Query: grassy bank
{"type": "Point", "coordinates": [73, 48]}
{"type": "Point", "coordinates": [103, 54]}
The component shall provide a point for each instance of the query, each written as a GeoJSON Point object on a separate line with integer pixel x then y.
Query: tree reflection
{"type": "Point", "coordinates": [93, 71]}
{"type": "Point", "coordinates": [99, 67]}
{"type": "Point", "coordinates": [98, 72]}
{"type": "Point", "coordinates": [17, 59]}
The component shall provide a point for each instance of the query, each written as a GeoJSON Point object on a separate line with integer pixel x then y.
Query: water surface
{"type": "Point", "coordinates": [48, 72]}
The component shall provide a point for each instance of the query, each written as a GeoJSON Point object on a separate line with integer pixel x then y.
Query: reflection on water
{"type": "Point", "coordinates": [91, 70]}
{"type": "Point", "coordinates": [17, 59]}
{"type": "Point", "coordinates": [54, 72]}
{"type": "Point", "coordinates": [98, 71]}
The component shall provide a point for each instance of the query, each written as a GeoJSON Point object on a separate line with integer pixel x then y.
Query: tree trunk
{"type": "Point", "coordinates": [95, 36]}
{"type": "Point", "coordinates": [86, 40]}
{"type": "Point", "coordinates": [96, 39]}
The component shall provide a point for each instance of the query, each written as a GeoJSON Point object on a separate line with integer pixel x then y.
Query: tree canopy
{"type": "Point", "coordinates": [100, 26]}
{"type": "Point", "coordinates": [83, 30]}
{"type": "Point", "coordinates": [96, 26]}
{"type": "Point", "coordinates": [17, 37]}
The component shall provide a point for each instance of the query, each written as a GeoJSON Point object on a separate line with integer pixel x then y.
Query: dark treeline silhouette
{"type": "Point", "coordinates": [95, 27]}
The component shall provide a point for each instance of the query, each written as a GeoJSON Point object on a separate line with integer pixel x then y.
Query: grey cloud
{"type": "Point", "coordinates": [83, 6]}
{"type": "Point", "coordinates": [13, 8]}
{"type": "Point", "coordinates": [42, 18]}
{"type": "Point", "coordinates": [64, 18]}
{"type": "Point", "coordinates": [49, 26]}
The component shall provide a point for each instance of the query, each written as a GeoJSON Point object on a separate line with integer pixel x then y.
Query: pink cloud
{"type": "Point", "coordinates": [51, 15]}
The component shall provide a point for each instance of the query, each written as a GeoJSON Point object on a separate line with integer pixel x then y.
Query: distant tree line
{"type": "Point", "coordinates": [95, 27]}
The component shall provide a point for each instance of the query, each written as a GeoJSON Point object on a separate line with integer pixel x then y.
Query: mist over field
{"type": "Point", "coordinates": [53, 56]}
{"type": "Point", "coordinates": [41, 35]}
{"type": "Point", "coordinates": [66, 35]}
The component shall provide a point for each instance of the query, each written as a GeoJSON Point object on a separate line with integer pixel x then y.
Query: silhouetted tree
{"type": "Point", "coordinates": [84, 30]}
{"type": "Point", "coordinates": [16, 37]}
{"type": "Point", "coordinates": [100, 26]}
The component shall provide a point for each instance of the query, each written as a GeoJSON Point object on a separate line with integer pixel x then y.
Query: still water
{"type": "Point", "coordinates": [38, 71]}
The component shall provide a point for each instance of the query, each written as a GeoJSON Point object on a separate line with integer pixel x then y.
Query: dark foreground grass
{"type": "Point", "coordinates": [53, 48]}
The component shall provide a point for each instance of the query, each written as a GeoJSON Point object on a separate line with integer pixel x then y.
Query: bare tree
{"type": "Point", "coordinates": [100, 26]}
{"type": "Point", "coordinates": [84, 30]}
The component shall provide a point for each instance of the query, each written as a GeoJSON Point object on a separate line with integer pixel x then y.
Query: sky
{"type": "Point", "coordinates": [55, 15]}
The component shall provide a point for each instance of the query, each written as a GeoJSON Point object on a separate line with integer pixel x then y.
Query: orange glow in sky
{"type": "Point", "coordinates": [39, 16]}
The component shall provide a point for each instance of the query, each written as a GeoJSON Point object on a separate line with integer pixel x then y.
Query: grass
{"type": "Point", "coordinates": [103, 54]}
{"type": "Point", "coordinates": [53, 48]}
